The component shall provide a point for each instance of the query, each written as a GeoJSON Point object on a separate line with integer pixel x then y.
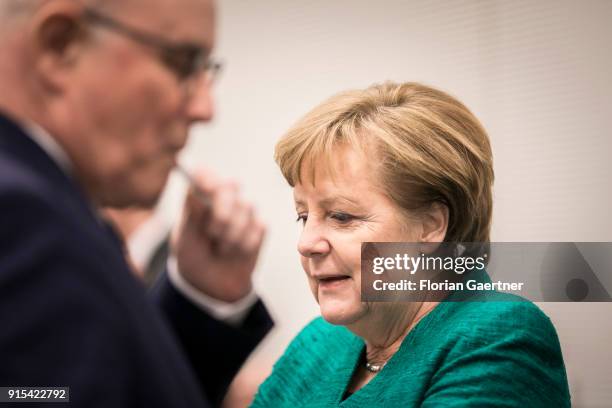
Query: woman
{"type": "Point", "coordinates": [402, 163]}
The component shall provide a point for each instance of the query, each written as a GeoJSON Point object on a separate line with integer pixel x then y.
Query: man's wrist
{"type": "Point", "coordinates": [232, 313]}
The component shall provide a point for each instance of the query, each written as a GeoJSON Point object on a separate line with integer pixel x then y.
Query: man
{"type": "Point", "coordinates": [96, 98]}
{"type": "Point", "coordinates": [147, 237]}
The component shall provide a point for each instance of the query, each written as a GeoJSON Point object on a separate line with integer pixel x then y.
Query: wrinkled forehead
{"type": "Point", "coordinates": [191, 21]}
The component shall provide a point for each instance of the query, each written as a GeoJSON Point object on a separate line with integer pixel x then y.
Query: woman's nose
{"type": "Point", "coordinates": [313, 241]}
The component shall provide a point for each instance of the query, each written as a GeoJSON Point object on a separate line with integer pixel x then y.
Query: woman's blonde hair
{"type": "Point", "coordinates": [427, 148]}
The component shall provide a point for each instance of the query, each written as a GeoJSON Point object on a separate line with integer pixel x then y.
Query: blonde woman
{"type": "Point", "coordinates": [402, 162]}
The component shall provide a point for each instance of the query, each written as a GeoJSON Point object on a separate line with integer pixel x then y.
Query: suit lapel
{"type": "Point", "coordinates": [16, 145]}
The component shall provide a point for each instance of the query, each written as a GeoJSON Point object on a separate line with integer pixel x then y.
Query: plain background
{"type": "Point", "coordinates": [536, 73]}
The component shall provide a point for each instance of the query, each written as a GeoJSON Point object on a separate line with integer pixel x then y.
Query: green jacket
{"type": "Point", "coordinates": [502, 351]}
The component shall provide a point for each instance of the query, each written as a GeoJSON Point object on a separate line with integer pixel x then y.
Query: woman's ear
{"type": "Point", "coordinates": [435, 223]}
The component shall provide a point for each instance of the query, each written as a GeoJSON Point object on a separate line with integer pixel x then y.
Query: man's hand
{"type": "Point", "coordinates": [218, 239]}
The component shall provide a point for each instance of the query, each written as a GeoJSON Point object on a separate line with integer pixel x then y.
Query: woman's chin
{"type": "Point", "coordinates": [341, 315]}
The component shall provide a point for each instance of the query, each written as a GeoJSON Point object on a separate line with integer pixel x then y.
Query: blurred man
{"type": "Point", "coordinates": [96, 98]}
{"type": "Point", "coordinates": [147, 239]}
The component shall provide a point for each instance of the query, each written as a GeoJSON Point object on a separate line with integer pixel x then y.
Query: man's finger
{"type": "Point", "coordinates": [222, 210]}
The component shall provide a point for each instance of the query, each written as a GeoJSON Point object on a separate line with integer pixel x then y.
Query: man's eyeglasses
{"type": "Point", "coordinates": [185, 60]}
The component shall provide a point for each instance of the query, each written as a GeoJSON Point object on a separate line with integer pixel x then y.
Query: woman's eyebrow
{"type": "Point", "coordinates": [330, 201]}
{"type": "Point", "coordinates": [338, 199]}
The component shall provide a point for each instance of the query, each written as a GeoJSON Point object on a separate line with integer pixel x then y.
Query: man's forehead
{"type": "Point", "coordinates": [190, 21]}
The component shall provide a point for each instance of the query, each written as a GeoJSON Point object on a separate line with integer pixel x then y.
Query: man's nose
{"type": "Point", "coordinates": [200, 107]}
{"type": "Point", "coordinates": [313, 241]}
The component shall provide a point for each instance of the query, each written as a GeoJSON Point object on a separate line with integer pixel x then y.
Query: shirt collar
{"type": "Point", "coordinates": [46, 142]}
{"type": "Point", "coordinates": [57, 153]}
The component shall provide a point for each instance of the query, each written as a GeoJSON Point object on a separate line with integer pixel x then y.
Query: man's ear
{"type": "Point", "coordinates": [435, 223]}
{"type": "Point", "coordinates": [57, 36]}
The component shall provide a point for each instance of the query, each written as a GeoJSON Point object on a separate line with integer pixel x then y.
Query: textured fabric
{"type": "Point", "coordinates": [498, 352]}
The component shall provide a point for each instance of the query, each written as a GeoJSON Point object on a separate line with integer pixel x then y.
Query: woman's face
{"type": "Point", "coordinates": [340, 210]}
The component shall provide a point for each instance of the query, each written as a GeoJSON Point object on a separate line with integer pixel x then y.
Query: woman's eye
{"type": "Point", "coordinates": [302, 218]}
{"type": "Point", "coordinates": [342, 218]}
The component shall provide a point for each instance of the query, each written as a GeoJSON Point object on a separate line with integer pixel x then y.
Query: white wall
{"type": "Point", "coordinates": [537, 73]}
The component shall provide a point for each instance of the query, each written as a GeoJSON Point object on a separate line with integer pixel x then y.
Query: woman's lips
{"type": "Point", "coordinates": [332, 282]}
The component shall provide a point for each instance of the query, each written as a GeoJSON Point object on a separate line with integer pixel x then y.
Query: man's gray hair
{"type": "Point", "coordinates": [14, 7]}
{"type": "Point", "coordinates": [12, 10]}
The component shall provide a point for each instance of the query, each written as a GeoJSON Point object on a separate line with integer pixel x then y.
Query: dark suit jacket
{"type": "Point", "coordinates": [72, 314]}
